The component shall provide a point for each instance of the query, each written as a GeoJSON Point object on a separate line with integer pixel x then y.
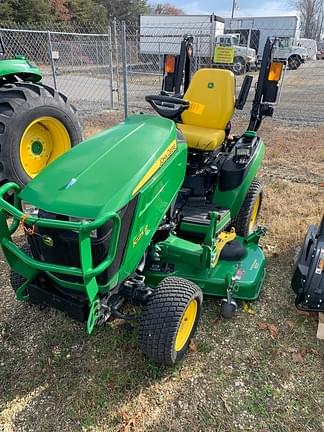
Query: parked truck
{"type": "Point", "coordinates": [161, 34]}
{"type": "Point", "coordinates": [254, 32]}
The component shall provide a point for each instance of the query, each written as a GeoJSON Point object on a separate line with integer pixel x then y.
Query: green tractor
{"type": "Point", "coordinates": [37, 123]}
{"type": "Point", "coordinates": [153, 212]}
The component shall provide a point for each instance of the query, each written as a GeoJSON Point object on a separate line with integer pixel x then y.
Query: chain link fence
{"type": "Point", "coordinates": [100, 69]}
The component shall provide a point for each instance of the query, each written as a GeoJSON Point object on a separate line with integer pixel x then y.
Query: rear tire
{"type": "Point", "coordinates": [37, 124]}
{"type": "Point", "coordinates": [170, 319]}
{"type": "Point", "coordinates": [245, 221]}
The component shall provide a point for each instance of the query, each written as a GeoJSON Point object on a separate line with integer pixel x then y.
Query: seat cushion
{"type": "Point", "coordinates": [200, 138]}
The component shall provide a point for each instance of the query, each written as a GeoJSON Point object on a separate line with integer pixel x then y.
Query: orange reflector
{"type": "Point", "coordinates": [275, 71]}
{"type": "Point", "coordinates": [169, 64]}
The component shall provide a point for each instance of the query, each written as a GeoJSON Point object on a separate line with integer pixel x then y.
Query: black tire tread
{"type": "Point", "coordinates": [16, 99]}
{"type": "Point", "coordinates": [161, 317]}
{"type": "Point", "coordinates": [242, 220]}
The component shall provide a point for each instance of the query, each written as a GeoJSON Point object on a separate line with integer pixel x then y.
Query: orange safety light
{"type": "Point", "coordinates": [275, 71]}
{"type": "Point", "coordinates": [169, 63]}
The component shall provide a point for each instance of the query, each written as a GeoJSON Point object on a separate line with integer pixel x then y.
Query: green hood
{"type": "Point", "coordinates": [101, 173]}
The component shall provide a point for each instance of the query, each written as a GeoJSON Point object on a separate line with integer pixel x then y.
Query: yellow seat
{"type": "Point", "coordinates": [202, 138]}
{"type": "Point", "coordinates": [211, 94]}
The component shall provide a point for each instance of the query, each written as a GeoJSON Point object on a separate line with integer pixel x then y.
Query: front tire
{"type": "Point", "coordinates": [245, 221]}
{"type": "Point", "coordinates": [170, 319]}
{"type": "Point", "coordinates": [294, 62]}
{"type": "Point", "coordinates": [239, 66]}
{"type": "Point", "coordinates": [37, 125]}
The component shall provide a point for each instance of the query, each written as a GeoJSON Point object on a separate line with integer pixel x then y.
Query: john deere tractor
{"type": "Point", "coordinates": [37, 123]}
{"type": "Point", "coordinates": [154, 212]}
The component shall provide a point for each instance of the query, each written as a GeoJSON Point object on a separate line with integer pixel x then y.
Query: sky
{"type": "Point", "coordinates": [245, 7]}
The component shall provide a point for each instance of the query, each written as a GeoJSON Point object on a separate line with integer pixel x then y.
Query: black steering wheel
{"type": "Point", "coordinates": [167, 106]}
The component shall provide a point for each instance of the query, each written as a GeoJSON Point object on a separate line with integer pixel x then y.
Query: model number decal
{"type": "Point", "coordinates": [140, 235]}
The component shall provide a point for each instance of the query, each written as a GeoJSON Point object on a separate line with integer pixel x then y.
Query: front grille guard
{"type": "Point", "coordinates": [29, 268]}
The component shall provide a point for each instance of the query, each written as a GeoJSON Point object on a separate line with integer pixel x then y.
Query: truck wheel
{"type": "Point", "coordinates": [294, 62]}
{"type": "Point", "coordinates": [245, 221]}
{"type": "Point", "coordinates": [170, 319]}
{"type": "Point", "coordinates": [37, 125]}
{"type": "Point", "coordinates": [239, 66]}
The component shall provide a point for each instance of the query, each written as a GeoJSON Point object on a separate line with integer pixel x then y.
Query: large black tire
{"type": "Point", "coordinates": [294, 62]}
{"type": "Point", "coordinates": [21, 104]}
{"type": "Point", "coordinates": [16, 279]}
{"type": "Point", "coordinates": [239, 66]}
{"type": "Point", "coordinates": [166, 309]}
{"type": "Point", "coordinates": [243, 222]}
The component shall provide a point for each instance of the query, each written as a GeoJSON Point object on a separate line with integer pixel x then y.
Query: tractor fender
{"type": "Point", "coordinates": [233, 195]}
{"type": "Point", "coordinates": [20, 67]}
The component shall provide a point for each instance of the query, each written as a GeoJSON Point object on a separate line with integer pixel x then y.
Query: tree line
{"type": "Point", "coordinates": [80, 11]}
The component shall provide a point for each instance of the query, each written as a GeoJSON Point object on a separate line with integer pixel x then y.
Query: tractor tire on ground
{"type": "Point", "coordinates": [37, 125]}
{"type": "Point", "coordinates": [239, 66]}
{"type": "Point", "coordinates": [170, 319]}
{"type": "Point", "coordinates": [294, 62]}
{"type": "Point", "coordinates": [16, 280]}
{"type": "Point", "coordinates": [245, 221]}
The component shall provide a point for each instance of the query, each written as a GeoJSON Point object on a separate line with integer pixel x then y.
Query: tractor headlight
{"type": "Point", "coordinates": [29, 209]}
{"type": "Point", "coordinates": [93, 233]}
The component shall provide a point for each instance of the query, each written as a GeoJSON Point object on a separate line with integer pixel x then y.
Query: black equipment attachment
{"type": "Point", "coordinates": [267, 89]}
{"type": "Point", "coordinates": [308, 277]}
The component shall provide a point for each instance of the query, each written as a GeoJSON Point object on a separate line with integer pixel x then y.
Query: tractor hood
{"type": "Point", "coordinates": [21, 68]}
{"type": "Point", "coordinates": [104, 172]}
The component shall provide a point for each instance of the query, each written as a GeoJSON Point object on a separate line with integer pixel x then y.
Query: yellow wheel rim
{"type": "Point", "coordinates": [186, 325]}
{"type": "Point", "coordinates": [254, 213]}
{"type": "Point", "coordinates": [43, 140]}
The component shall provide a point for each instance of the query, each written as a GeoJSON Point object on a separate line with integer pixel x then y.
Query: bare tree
{"type": "Point", "coordinates": [165, 9]}
{"type": "Point", "coordinates": [312, 17]}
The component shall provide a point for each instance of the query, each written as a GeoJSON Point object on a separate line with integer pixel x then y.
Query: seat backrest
{"type": "Point", "coordinates": [212, 95]}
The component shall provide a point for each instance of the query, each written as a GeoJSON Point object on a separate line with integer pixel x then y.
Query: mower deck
{"type": "Point", "coordinates": [249, 268]}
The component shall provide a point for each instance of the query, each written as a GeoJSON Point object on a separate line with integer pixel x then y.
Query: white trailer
{"type": "Point", "coordinates": [162, 34]}
{"type": "Point", "coordinates": [254, 31]}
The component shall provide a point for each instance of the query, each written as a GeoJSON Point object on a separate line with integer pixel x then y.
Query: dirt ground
{"type": "Point", "coordinates": [261, 371]}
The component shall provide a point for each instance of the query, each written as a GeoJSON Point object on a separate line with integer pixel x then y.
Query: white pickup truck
{"type": "Point", "coordinates": [245, 58]}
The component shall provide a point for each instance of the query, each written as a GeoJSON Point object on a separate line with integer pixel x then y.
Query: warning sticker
{"type": "Point", "coordinates": [196, 108]}
{"type": "Point", "coordinates": [224, 55]}
{"type": "Point", "coordinates": [320, 263]}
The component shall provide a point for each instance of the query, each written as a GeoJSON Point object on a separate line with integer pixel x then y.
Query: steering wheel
{"type": "Point", "coordinates": [167, 106]}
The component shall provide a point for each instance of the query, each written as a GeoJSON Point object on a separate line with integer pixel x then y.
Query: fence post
{"type": "Point", "coordinates": [50, 52]}
{"type": "Point", "coordinates": [117, 59]}
{"type": "Point", "coordinates": [110, 66]}
{"type": "Point", "coordinates": [124, 60]}
{"type": "Point", "coordinates": [212, 38]}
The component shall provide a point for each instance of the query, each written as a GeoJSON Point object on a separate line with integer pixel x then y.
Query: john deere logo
{"type": "Point", "coordinates": [48, 241]}
{"type": "Point", "coordinates": [210, 85]}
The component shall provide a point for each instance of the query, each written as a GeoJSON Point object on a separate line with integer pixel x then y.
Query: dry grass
{"type": "Point", "coordinates": [240, 377]}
